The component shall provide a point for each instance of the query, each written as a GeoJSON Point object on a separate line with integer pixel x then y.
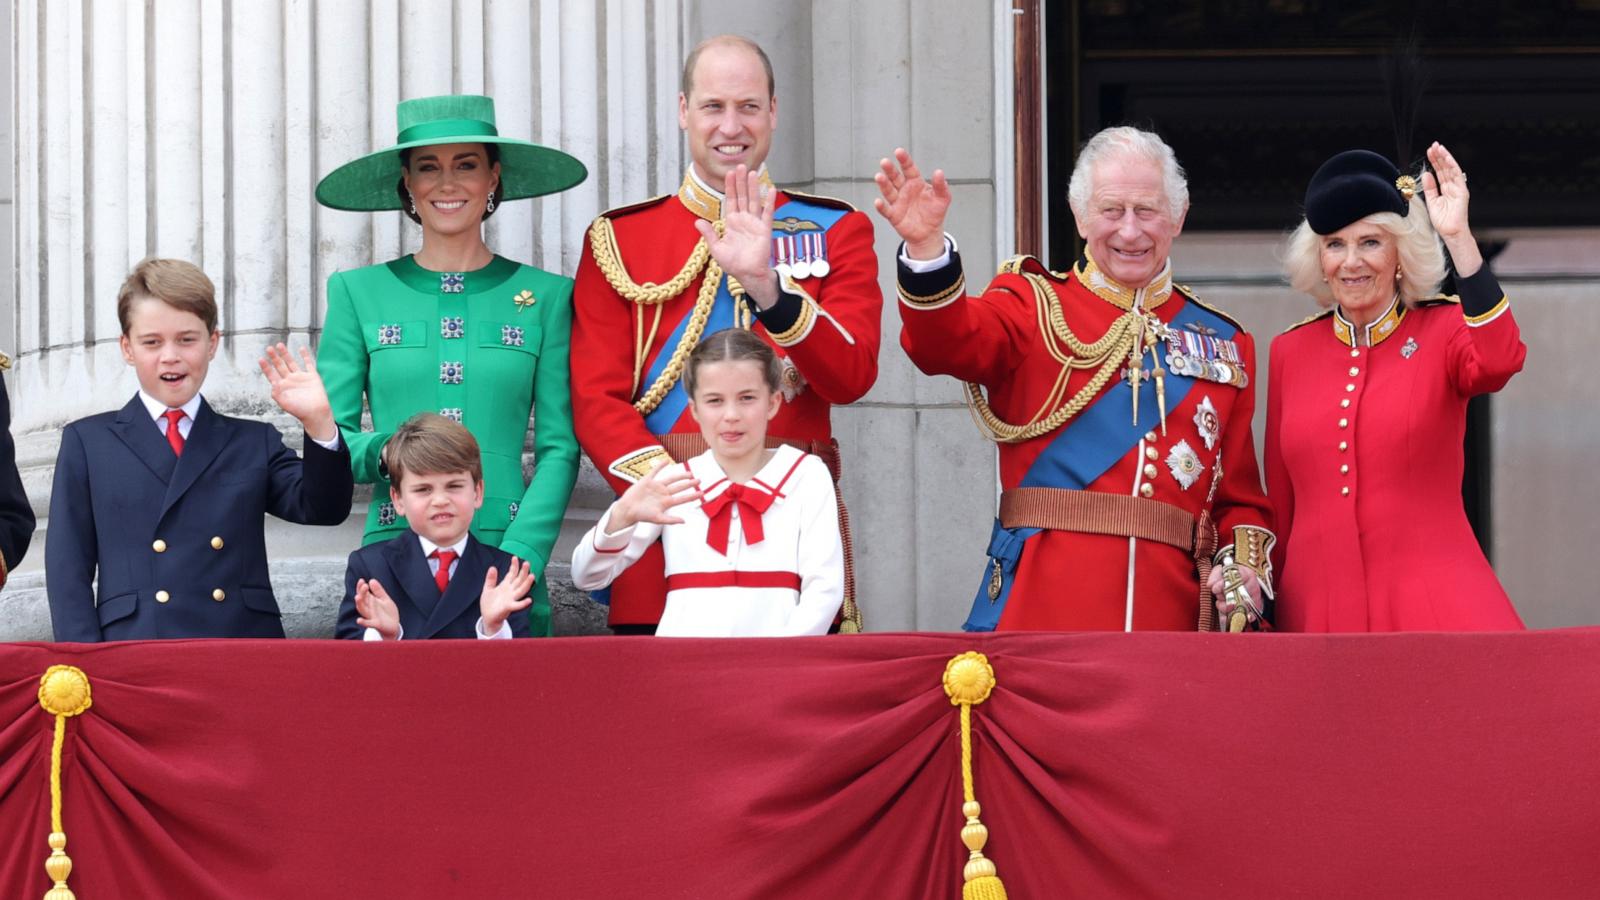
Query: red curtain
{"type": "Point", "coordinates": [1147, 765]}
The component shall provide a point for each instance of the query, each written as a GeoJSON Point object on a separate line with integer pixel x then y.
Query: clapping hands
{"type": "Point", "coordinates": [502, 598]}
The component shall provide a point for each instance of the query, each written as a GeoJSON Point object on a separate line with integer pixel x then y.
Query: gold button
{"type": "Point", "coordinates": [1343, 446]}
{"type": "Point", "coordinates": [1349, 388]}
{"type": "Point", "coordinates": [162, 596]}
{"type": "Point", "coordinates": [1354, 371]}
{"type": "Point", "coordinates": [1149, 435]}
{"type": "Point", "coordinates": [1149, 471]}
{"type": "Point", "coordinates": [1151, 453]}
{"type": "Point", "coordinates": [1345, 403]}
{"type": "Point", "coordinates": [1355, 354]}
{"type": "Point", "coordinates": [216, 543]}
{"type": "Point", "coordinates": [159, 546]}
{"type": "Point", "coordinates": [218, 595]}
{"type": "Point", "coordinates": [1344, 470]}
{"type": "Point", "coordinates": [1344, 492]}
{"type": "Point", "coordinates": [1146, 490]}
{"type": "Point", "coordinates": [1344, 423]}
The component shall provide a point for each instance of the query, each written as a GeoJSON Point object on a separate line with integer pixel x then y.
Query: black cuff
{"type": "Point", "coordinates": [1480, 292]}
{"type": "Point", "coordinates": [784, 312]}
{"type": "Point", "coordinates": [918, 287]}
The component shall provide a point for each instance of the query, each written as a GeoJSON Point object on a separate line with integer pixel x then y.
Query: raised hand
{"type": "Point", "coordinates": [744, 248]}
{"type": "Point", "coordinates": [650, 498]}
{"type": "Point", "coordinates": [298, 390]}
{"type": "Point", "coordinates": [914, 206]}
{"type": "Point", "coordinates": [1444, 190]}
{"type": "Point", "coordinates": [375, 609]}
{"type": "Point", "coordinates": [502, 598]}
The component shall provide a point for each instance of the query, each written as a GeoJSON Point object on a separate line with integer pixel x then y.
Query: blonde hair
{"type": "Point", "coordinates": [179, 284]}
{"type": "Point", "coordinates": [1418, 250]}
{"type": "Point", "coordinates": [430, 444]}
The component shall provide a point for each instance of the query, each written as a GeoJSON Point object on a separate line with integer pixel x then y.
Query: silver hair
{"type": "Point", "coordinates": [1419, 251]}
{"type": "Point", "coordinates": [1125, 140]}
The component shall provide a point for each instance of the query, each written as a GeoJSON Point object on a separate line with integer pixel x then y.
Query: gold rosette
{"type": "Point", "coordinates": [63, 692]}
{"type": "Point", "coordinates": [968, 681]}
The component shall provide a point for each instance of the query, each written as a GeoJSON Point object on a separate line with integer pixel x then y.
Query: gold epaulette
{"type": "Point", "coordinates": [1439, 300]}
{"type": "Point", "coordinates": [1192, 297]}
{"type": "Point", "coordinates": [820, 200]}
{"type": "Point", "coordinates": [1309, 319]}
{"type": "Point", "coordinates": [1025, 265]}
{"type": "Point", "coordinates": [635, 207]}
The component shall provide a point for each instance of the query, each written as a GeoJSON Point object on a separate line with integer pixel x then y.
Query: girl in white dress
{"type": "Point", "coordinates": [750, 533]}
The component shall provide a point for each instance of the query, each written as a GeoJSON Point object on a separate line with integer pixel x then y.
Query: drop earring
{"type": "Point", "coordinates": [489, 207]}
{"type": "Point", "coordinates": [413, 202]}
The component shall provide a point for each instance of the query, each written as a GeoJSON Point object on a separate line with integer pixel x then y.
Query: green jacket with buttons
{"type": "Point", "coordinates": [486, 348]}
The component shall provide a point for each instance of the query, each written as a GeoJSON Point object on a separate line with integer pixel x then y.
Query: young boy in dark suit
{"type": "Point", "coordinates": [165, 497]}
{"type": "Point", "coordinates": [436, 580]}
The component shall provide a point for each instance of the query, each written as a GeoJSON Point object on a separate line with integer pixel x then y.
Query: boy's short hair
{"type": "Point", "coordinates": [178, 284]}
{"type": "Point", "coordinates": [430, 444]}
{"type": "Point", "coordinates": [733, 345]}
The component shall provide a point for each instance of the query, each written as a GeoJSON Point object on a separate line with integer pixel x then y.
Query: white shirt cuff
{"type": "Point", "coordinates": [923, 266]}
{"type": "Point", "coordinates": [371, 634]}
{"type": "Point", "coordinates": [504, 634]}
{"type": "Point", "coordinates": [327, 445]}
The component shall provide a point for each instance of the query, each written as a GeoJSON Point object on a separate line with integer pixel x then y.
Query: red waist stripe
{"type": "Point", "coordinates": [682, 580]}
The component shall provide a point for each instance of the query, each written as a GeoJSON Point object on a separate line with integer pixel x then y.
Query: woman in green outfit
{"type": "Point", "coordinates": [454, 328]}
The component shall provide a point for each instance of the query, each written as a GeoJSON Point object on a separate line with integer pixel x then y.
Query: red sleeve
{"type": "Point", "coordinates": [945, 331]}
{"type": "Point", "coordinates": [1240, 500]}
{"type": "Point", "coordinates": [1279, 488]}
{"type": "Point", "coordinates": [1487, 349]}
{"type": "Point", "coordinates": [834, 339]}
{"type": "Point", "coordinates": [608, 427]}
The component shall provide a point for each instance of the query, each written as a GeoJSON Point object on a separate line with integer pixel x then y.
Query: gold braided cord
{"type": "Point", "coordinates": [1103, 355]}
{"type": "Point", "coordinates": [608, 257]}
{"type": "Point", "coordinates": [652, 398]}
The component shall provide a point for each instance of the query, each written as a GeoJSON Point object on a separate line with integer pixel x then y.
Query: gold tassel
{"type": "Point", "coordinates": [968, 680]}
{"type": "Point", "coordinates": [63, 692]}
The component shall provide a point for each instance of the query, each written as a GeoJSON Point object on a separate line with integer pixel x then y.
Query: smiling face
{"type": "Point", "coordinates": [169, 350]}
{"type": "Point", "coordinates": [729, 115]}
{"type": "Point", "coordinates": [450, 185]}
{"type": "Point", "coordinates": [438, 506]}
{"type": "Point", "coordinates": [733, 403]}
{"type": "Point", "coordinates": [1359, 261]}
{"type": "Point", "coordinates": [1128, 223]}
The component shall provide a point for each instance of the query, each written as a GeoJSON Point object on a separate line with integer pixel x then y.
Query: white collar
{"type": "Point", "coordinates": [157, 409]}
{"type": "Point", "coordinates": [429, 547]}
{"type": "Point", "coordinates": [767, 480]}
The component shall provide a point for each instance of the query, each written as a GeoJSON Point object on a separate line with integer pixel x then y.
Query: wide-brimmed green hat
{"type": "Point", "coordinates": [526, 170]}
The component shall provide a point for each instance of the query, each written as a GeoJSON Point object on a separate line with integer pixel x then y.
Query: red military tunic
{"type": "Point", "coordinates": [825, 326]}
{"type": "Point", "coordinates": [1364, 461]}
{"type": "Point", "coordinates": [1074, 580]}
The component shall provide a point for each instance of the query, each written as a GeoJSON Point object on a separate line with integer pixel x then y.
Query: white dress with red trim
{"type": "Point", "coordinates": [759, 559]}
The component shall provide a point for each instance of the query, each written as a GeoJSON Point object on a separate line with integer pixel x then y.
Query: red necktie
{"type": "Point", "coordinates": [442, 577]}
{"type": "Point", "coordinates": [174, 436]}
{"type": "Point", "coordinates": [752, 504]}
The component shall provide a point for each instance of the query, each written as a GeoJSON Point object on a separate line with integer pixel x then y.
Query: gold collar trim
{"type": "Point", "coordinates": [1376, 332]}
{"type": "Point", "coordinates": [1147, 298]}
{"type": "Point", "coordinates": [705, 202]}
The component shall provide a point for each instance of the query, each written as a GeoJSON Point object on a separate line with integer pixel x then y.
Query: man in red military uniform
{"type": "Point", "coordinates": [728, 250]}
{"type": "Point", "coordinates": [1121, 404]}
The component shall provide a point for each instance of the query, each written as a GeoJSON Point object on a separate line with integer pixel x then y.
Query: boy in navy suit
{"type": "Point", "coordinates": [165, 498]}
{"type": "Point", "coordinates": [436, 580]}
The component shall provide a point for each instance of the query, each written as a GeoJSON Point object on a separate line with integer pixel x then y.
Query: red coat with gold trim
{"type": "Point", "coordinates": [826, 326]}
{"type": "Point", "coordinates": [1364, 460]}
{"type": "Point", "coordinates": [1068, 580]}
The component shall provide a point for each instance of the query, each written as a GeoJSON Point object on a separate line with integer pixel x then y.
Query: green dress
{"type": "Point", "coordinates": [481, 347]}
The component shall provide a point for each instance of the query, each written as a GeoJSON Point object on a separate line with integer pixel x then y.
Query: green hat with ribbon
{"type": "Point", "coordinates": [526, 170]}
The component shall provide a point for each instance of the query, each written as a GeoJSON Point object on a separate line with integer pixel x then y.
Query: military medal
{"type": "Point", "coordinates": [1205, 357]}
{"type": "Point", "coordinates": [1205, 419]}
{"type": "Point", "coordinates": [1185, 464]}
{"type": "Point", "coordinates": [801, 269]}
{"type": "Point", "coordinates": [819, 263]}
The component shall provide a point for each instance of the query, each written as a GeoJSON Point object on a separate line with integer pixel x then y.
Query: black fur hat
{"type": "Point", "coordinates": [1353, 185]}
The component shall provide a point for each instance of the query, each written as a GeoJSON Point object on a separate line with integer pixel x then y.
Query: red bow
{"type": "Point", "coordinates": [752, 504]}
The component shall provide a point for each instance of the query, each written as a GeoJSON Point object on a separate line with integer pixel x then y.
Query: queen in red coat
{"type": "Point", "coordinates": [1366, 405]}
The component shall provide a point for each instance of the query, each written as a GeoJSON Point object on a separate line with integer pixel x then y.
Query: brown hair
{"type": "Point", "coordinates": [430, 444]}
{"type": "Point", "coordinates": [734, 345]}
{"type": "Point", "coordinates": [180, 285]}
{"type": "Point", "coordinates": [491, 152]}
{"type": "Point", "coordinates": [686, 83]}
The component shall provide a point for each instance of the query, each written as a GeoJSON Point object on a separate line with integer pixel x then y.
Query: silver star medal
{"type": "Point", "coordinates": [1185, 464]}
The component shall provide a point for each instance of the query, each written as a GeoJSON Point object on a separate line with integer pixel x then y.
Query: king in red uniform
{"type": "Point", "coordinates": [728, 250]}
{"type": "Point", "coordinates": [1133, 451]}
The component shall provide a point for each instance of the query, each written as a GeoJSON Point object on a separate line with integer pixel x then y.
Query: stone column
{"type": "Point", "coordinates": [199, 129]}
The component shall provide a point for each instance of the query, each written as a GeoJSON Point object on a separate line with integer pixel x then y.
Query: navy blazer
{"type": "Point", "coordinates": [178, 542]}
{"type": "Point", "coordinates": [399, 565]}
{"type": "Point", "coordinates": [16, 514]}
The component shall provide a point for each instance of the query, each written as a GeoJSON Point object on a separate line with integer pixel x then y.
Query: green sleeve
{"type": "Point", "coordinates": [342, 360]}
{"type": "Point", "coordinates": [532, 535]}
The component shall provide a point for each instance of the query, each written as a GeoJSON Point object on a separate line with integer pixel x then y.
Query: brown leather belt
{"type": "Point", "coordinates": [1094, 512]}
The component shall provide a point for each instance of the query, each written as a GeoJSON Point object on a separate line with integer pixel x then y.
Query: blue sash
{"type": "Point", "coordinates": [1081, 452]}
